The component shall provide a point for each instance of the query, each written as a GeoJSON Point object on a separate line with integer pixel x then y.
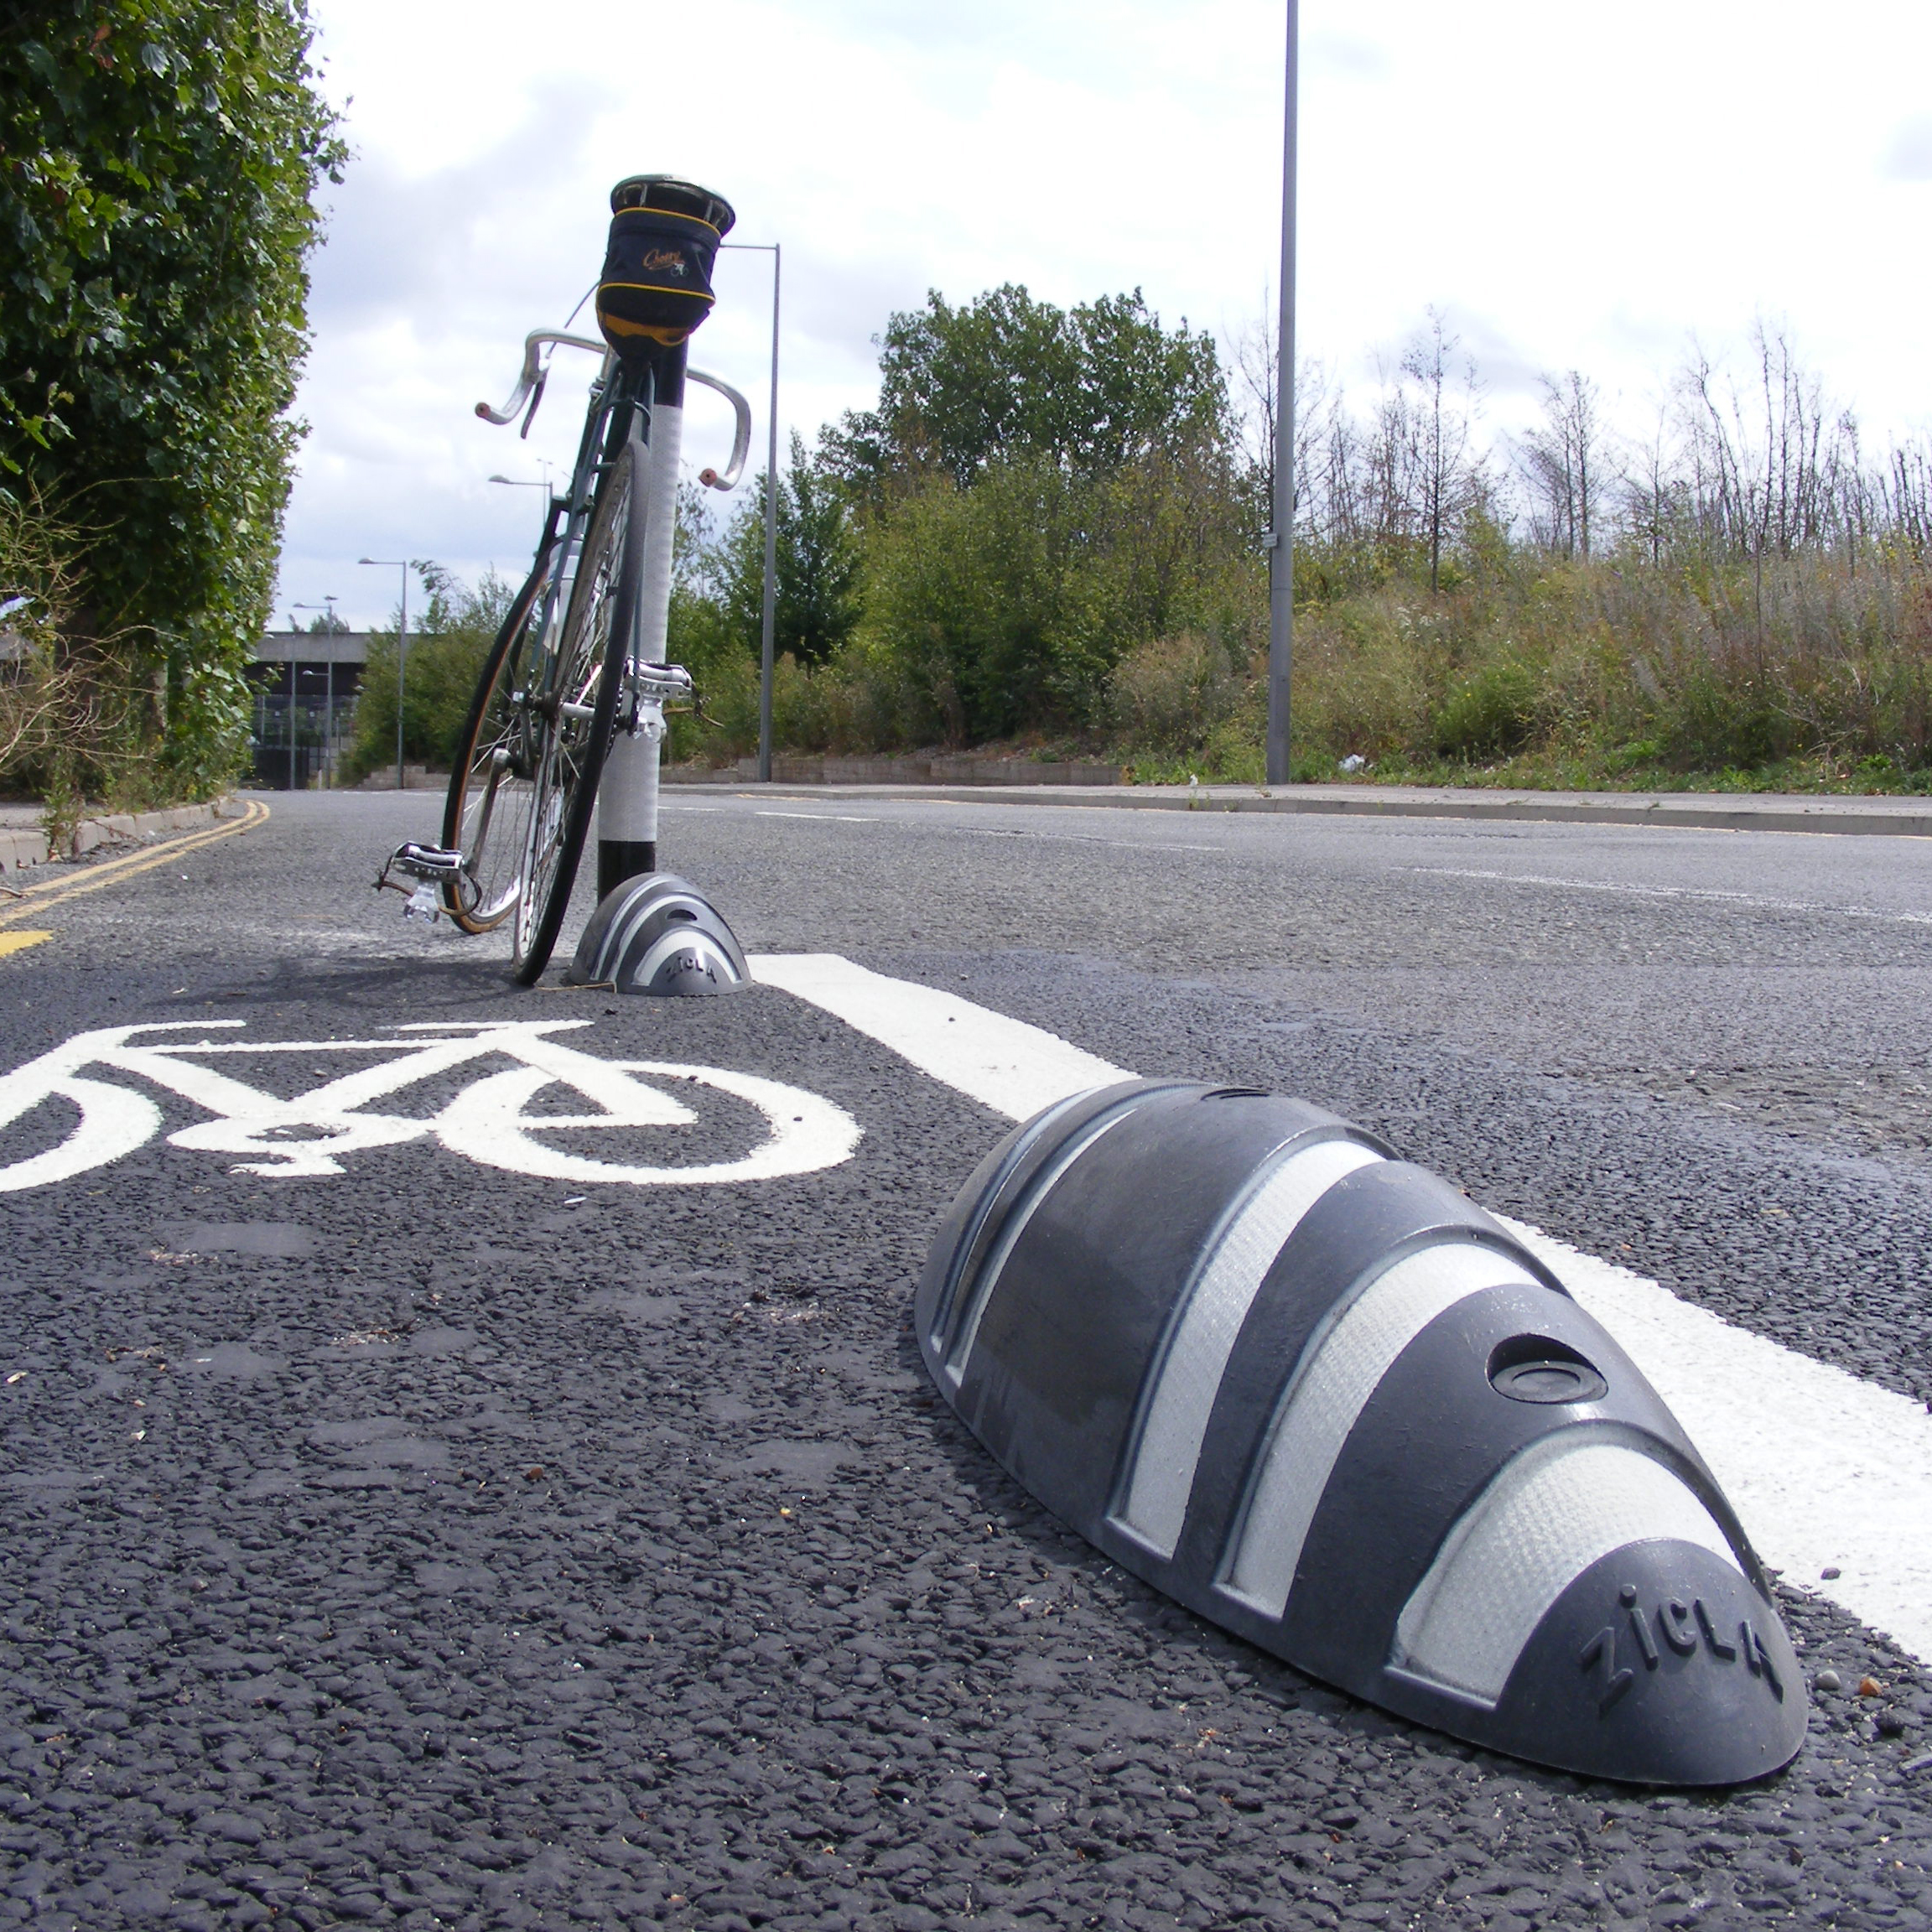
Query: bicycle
{"type": "Point", "coordinates": [579, 666]}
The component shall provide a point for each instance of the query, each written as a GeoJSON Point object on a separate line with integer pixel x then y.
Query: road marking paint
{"type": "Point", "coordinates": [303, 1137]}
{"type": "Point", "coordinates": [829, 817]}
{"type": "Point", "coordinates": [112, 871]}
{"type": "Point", "coordinates": [1002, 1063]}
{"type": "Point", "coordinates": [1825, 1469]}
{"type": "Point", "coordinates": [19, 942]}
{"type": "Point", "coordinates": [1083, 838]}
{"type": "Point", "coordinates": [1752, 901]}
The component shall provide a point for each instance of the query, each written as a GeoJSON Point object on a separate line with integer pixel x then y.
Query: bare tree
{"type": "Point", "coordinates": [1565, 463]}
{"type": "Point", "coordinates": [1440, 430]}
{"type": "Point", "coordinates": [1256, 359]}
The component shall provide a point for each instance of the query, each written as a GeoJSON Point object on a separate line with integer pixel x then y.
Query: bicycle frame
{"type": "Point", "coordinates": [618, 391]}
{"type": "Point", "coordinates": [570, 705]}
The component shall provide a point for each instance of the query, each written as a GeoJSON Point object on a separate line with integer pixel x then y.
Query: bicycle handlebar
{"type": "Point", "coordinates": [741, 436]}
{"type": "Point", "coordinates": [534, 374]}
{"type": "Point", "coordinates": [533, 370]}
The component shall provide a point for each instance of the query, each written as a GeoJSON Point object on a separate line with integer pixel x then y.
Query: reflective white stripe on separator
{"type": "Point", "coordinates": [1338, 1372]}
{"type": "Point", "coordinates": [1825, 1470]}
{"type": "Point", "coordinates": [1549, 1514]}
{"type": "Point", "coordinates": [618, 934]}
{"type": "Point", "coordinates": [683, 939]}
{"type": "Point", "coordinates": [1236, 1257]}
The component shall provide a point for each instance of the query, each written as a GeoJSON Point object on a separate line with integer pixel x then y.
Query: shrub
{"type": "Point", "coordinates": [1171, 694]}
{"type": "Point", "coordinates": [1490, 712]}
{"type": "Point", "coordinates": [156, 161]}
{"type": "Point", "coordinates": [447, 647]}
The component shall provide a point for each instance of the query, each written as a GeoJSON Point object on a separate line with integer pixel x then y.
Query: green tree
{"type": "Point", "coordinates": [446, 646]}
{"type": "Point", "coordinates": [1092, 388]}
{"type": "Point", "coordinates": [1008, 605]}
{"type": "Point", "coordinates": [819, 562]}
{"type": "Point", "coordinates": [157, 162]}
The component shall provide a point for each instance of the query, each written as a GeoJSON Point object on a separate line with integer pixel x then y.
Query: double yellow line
{"type": "Point", "coordinates": [36, 899]}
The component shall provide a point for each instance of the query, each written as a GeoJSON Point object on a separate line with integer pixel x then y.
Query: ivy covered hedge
{"type": "Point", "coordinates": [157, 162]}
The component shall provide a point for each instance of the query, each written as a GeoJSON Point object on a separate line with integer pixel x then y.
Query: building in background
{"type": "Point", "coordinates": [305, 683]}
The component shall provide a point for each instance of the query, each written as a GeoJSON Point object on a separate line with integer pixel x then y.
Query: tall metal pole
{"type": "Point", "coordinates": [1281, 550]}
{"type": "Point", "coordinates": [401, 648]}
{"type": "Point", "coordinates": [768, 623]}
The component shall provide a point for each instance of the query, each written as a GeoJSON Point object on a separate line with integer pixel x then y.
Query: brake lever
{"type": "Point", "coordinates": [536, 398]}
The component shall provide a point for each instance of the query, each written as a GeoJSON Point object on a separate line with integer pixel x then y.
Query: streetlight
{"type": "Point", "coordinates": [327, 605]}
{"type": "Point", "coordinates": [402, 645]}
{"type": "Point", "coordinates": [1281, 536]}
{"type": "Point", "coordinates": [768, 623]}
{"type": "Point", "coordinates": [530, 482]}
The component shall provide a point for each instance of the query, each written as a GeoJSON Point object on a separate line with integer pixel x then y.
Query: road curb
{"type": "Point", "coordinates": [28, 845]}
{"type": "Point", "coordinates": [1862, 818]}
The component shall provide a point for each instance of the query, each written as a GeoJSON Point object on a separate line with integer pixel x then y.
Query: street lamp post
{"type": "Point", "coordinates": [1281, 536]}
{"type": "Point", "coordinates": [541, 483]}
{"type": "Point", "coordinates": [328, 604]}
{"type": "Point", "coordinates": [402, 645]}
{"type": "Point", "coordinates": [768, 623]}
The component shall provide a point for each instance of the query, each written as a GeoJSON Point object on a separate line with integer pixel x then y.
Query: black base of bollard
{"type": "Point", "coordinates": [621, 860]}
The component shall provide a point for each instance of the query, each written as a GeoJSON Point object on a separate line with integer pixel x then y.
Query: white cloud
{"type": "Point", "coordinates": [1572, 189]}
{"type": "Point", "coordinates": [1910, 156]}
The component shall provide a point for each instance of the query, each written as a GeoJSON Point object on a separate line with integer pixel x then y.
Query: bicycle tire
{"type": "Point", "coordinates": [491, 770]}
{"type": "Point", "coordinates": [572, 748]}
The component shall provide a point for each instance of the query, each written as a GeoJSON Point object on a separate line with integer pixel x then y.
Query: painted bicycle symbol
{"type": "Point", "coordinates": [489, 1121]}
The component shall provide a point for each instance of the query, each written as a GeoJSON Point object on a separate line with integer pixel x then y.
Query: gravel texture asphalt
{"type": "Point", "coordinates": [435, 1545]}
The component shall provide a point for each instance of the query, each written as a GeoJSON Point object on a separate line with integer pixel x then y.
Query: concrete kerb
{"type": "Point", "coordinates": [1861, 816]}
{"type": "Point", "coordinates": [22, 845]}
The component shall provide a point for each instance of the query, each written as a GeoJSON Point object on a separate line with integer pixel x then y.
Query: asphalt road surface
{"type": "Point", "coordinates": [416, 1514]}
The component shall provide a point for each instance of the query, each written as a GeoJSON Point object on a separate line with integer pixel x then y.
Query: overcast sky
{"type": "Point", "coordinates": [1575, 187]}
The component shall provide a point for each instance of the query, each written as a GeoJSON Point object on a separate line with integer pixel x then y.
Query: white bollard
{"type": "Point", "coordinates": [627, 797]}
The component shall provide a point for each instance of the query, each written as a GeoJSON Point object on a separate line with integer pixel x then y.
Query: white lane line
{"type": "Point", "coordinates": [1084, 839]}
{"type": "Point", "coordinates": [1002, 1063]}
{"type": "Point", "coordinates": [829, 817]}
{"type": "Point", "coordinates": [1752, 901]}
{"type": "Point", "coordinates": [1825, 1470]}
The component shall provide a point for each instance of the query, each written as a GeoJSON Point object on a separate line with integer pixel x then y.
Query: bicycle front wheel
{"type": "Point", "coordinates": [577, 715]}
{"type": "Point", "coordinates": [492, 789]}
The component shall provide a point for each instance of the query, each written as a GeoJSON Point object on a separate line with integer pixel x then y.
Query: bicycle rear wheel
{"type": "Point", "coordinates": [577, 712]}
{"type": "Point", "coordinates": [493, 790]}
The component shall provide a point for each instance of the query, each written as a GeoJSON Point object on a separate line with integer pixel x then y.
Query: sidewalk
{"type": "Point", "coordinates": [24, 841]}
{"type": "Point", "coordinates": [1705, 811]}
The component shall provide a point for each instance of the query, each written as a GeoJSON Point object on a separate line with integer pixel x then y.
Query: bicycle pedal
{"type": "Point", "coordinates": [427, 861]}
{"type": "Point", "coordinates": [430, 867]}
